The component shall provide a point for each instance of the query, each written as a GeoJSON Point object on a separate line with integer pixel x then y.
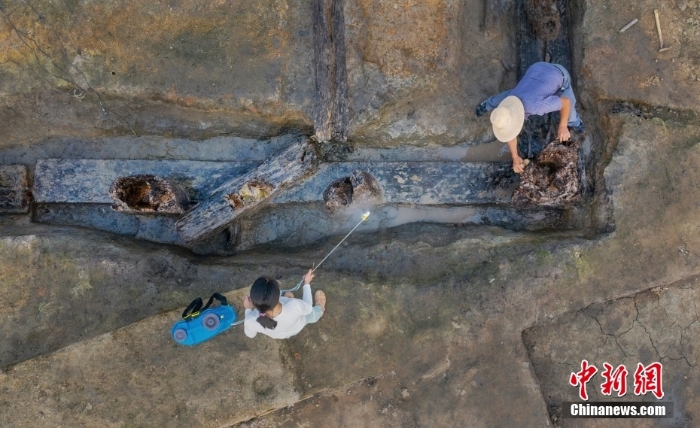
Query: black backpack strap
{"type": "Point", "coordinates": [218, 297]}
{"type": "Point", "coordinates": [193, 308]}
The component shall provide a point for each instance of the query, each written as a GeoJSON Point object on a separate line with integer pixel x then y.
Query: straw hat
{"type": "Point", "coordinates": [507, 119]}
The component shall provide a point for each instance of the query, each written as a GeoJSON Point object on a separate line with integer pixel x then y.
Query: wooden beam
{"type": "Point", "coordinates": [81, 181]}
{"type": "Point", "coordinates": [340, 101]}
{"type": "Point", "coordinates": [238, 195]}
{"type": "Point", "coordinates": [331, 82]}
{"type": "Point", "coordinates": [419, 183]}
{"type": "Point", "coordinates": [14, 189]}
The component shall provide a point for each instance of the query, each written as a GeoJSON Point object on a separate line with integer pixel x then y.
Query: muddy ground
{"type": "Point", "coordinates": [427, 324]}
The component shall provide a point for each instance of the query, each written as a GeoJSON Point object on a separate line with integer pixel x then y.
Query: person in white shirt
{"type": "Point", "coordinates": [278, 316]}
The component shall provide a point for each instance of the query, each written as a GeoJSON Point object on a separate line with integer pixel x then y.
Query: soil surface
{"type": "Point", "coordinates": [427, 325]}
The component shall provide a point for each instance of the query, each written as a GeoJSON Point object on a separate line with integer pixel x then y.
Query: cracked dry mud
{"type": "Point", "coordinates": [658, 325]}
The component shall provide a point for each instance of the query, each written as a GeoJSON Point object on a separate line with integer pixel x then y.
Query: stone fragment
{"type": "Point", "coordinates": [14, 189]}
{"type": "Point", "coordinates": [552, 179]}
{"type": "Point", "coordinates": [148, 193]}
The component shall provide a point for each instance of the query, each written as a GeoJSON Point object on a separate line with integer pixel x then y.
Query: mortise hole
{"type": "Point", "coordinates": [359, 188]}
{"type": "Point", "coordinates": [147, 193]}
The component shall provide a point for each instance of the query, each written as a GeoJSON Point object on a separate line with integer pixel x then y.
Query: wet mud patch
{"type": "Point", "coordinates": [148, 193]}
{"type": "Point", "coordinates": [552, 179]}
{"type": "Point", "coordinates": [360, 188]}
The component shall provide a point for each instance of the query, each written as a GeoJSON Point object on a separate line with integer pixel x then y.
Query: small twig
{"type": "Point", "coordinates": [658, 29]}
{"type": "Point", "coordinates": [626, 27]}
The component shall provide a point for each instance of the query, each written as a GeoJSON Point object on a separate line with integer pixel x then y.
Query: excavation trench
{"type": "Point", "coordinates": [467, 184]}
{"type": "Point", "coordinates": [140, 188]}
{"type": "Point", "coordinates": [422, 201]}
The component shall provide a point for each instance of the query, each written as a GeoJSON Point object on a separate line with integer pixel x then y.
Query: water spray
{"type": "Point", "coordinates": [300, 283]}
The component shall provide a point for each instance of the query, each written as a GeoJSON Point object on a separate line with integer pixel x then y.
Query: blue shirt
{"type": "Point", "coordinates": [538, 87]}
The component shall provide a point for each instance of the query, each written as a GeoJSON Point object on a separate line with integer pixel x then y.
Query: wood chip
{"type": "Point", "coordinates": [626, 27]}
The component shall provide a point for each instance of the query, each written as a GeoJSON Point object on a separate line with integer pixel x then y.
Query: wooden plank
{"type": "Point", "coordinates": [238, 195]}
{"type": "Point", "coordinates": [14, 189]}
{"type": "Point", "coordinates": [88, 180]}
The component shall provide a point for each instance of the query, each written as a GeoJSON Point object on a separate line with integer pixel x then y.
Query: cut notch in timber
{"type": "Point", "coordinates": [148, 194]}
{"type": "Point", "coordinates": [234, 197]}
{"type": "Point", "coordinates": [359, 188]}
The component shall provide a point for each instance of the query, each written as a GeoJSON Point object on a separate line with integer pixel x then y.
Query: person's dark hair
{"type": "Point", "coordinates": [265, 295]}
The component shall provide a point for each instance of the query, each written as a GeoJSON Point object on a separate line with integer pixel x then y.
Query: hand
{"type": "Point", "coordinates": [518, 164]}
{"type": "Point", "coordinates": [247, 303]}
{"type": "Point", "coordinates": [563, 134]}
{"type": "Point", "coordinates": [309, 276]}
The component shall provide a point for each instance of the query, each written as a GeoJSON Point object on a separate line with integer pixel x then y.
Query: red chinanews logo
{"type": "Point", "coordinates": [646, 379]}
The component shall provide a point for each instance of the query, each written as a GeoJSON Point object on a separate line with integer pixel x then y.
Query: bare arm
{"type": "Point", "coordinates": [563, 133]}
{"type": "Point", "coordinates": [518, 164]}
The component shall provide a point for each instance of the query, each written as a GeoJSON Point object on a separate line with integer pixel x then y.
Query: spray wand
{"type": "Point", "coordinates": [300, 283]}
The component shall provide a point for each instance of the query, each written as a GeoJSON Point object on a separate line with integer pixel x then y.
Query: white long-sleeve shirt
{"type": "Point", "coordinates": [290, 320]}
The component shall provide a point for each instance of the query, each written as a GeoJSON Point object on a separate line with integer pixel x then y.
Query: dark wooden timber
{"type": "Point", "coordinates": [14, 189]}
{"type": "Point", "coordinates": [238, 195]}
{"type": "Point", "coordinates": [87, 181]}
{"type": "Point", "coordinates": [331, 106]}
{"type": "Point", "coordinates": [538, 131]}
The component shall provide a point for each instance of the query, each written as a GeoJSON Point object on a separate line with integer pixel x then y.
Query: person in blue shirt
{"type": "Point", "coordinates": [543, 89]}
